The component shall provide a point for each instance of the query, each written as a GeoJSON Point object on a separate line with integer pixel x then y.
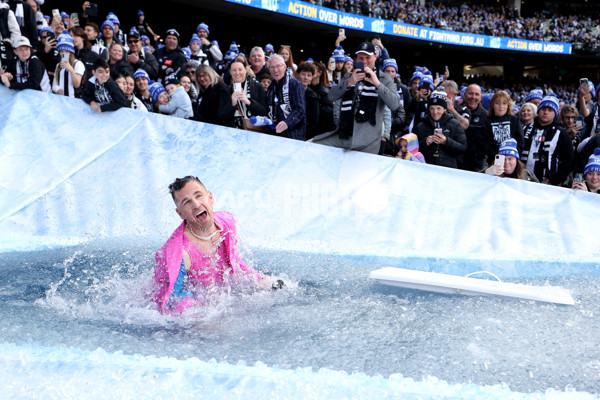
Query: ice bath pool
{"type": "Point", "coordinates": [329, 318]}
{"type": "Point", "coordinates": [81, 214]}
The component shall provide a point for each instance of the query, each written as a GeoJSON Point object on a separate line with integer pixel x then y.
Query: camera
{"type": "Point", "coordinates": [92, 11]}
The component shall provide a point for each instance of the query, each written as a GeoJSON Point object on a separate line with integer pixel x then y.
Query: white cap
{"type": "Point", "coordinates": [21, 41]}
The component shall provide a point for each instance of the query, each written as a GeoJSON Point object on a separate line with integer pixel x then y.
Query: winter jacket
{"type": "Point", "coordinates": [456, 141]}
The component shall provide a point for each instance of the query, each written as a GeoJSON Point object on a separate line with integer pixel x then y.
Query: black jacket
{"type": "Point", "coordinates": [456, 142]}
{"type": "Point", "coordinates": [33, 79]}
{"type": "Point", "coordinates": [121, 67]}
{"type": "Point", "coordinates": [258, 102]}
{"type": "Point", "coordinates": [554, 158]}
{"type": "Point", "coordinates": [325, 123]}
{"type": "Point", "coordinates": [109, 96]}
{"type": "Point", "coordinates": [169, 62]}
{"type": "Point", "coordinates": [148, 63]}
{"type": "Point", "coordinates": [213, 105]}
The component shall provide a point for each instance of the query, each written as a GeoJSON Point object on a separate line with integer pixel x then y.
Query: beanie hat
{"type": "Point", "coordinates": [310, 60]}
{"type": "Point", "coordinates": [187, 52]}
{"type": "Point", "coordinates": [509, 148]}
{"type": "Point", "coordinates": [46, 29]}
{"type": "Point", "coordinates": [230, 55]}
{"type": "Point", "coordinates": [141, 73]}
{"type": "Point", "coordinates": [535, 94]}
{"type": "Point", "coordinates": [140, 13]}
{"type": "Point", "coordinates": [426, 82]}
{"type": "Point", "coordinates": [65, 42]}
{"type": "Point", "coordinates": [420, 69]}
{"type": "Point", "coordinates": [203, 26]}
{"type": "Point", "coordinates": [144, 38]}
{"type": "Point", "coordinates": [107, 23]}
{"type": "Point", "coordinates": [549, 101]}
{"type": "Point", "coordinates": [270, 47]}
{"type": "Point", "coordinates": [64, 15]}
{"type": "Point", "coordinates": [155, 90]}
{"type": "Point", "coordinates": [112, 17]}
{"type": "Point", "coordinates": [233, 47]}
{"type": "Point", "coordinates": [173, 32]}
{"type": "Point", "coordinates": [416, 75]}
{"type": "Point", "coordinates": [339, 54]}
{"type": "Point", "coordinates": [390, 62]}
{"type": "Point", "coordinates": [134, 33]}
{"type": "Point", "coordinates": [348, 58]}
{"type": "Point", "coordinates": [593, 163]}
{"type": "Point", "coordinates": [171, 79]}
{"type": "Point", "coordinates": [438, 98]}
{"type": "Point", "coordinates": [196, 39]}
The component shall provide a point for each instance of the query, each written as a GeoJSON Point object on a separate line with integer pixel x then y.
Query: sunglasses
{"type": "Point", "coordinates": [132, 41]}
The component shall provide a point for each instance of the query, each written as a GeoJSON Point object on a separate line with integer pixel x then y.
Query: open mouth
{"type": "Point", "coordinates": [201, 215]}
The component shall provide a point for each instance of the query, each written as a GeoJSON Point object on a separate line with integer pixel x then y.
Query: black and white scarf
{"type": "Point", "coordinates": [279, 96]}
{"type": "Point", "coordinates": [359, 104]}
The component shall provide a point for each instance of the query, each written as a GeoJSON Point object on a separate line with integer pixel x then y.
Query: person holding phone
{"type": "Point", "coordinates": [441, 138]}
{"type": "Point", "coordinates": [248, 98]}
{"type": "Point", "coordinates": [364, 93]}
{"type": "Point", "coordinates": [70, 71]}
{"type": "Point", "coordinates": [508, 163]}
{"type": "Point", "coordinates": [590, 179]}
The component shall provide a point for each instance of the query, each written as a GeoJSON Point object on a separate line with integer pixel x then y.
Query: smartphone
{"type": "Point", "coordinates": [92, 10]}
{"type": "Point", "coordinates": [64, 57]}
{"type": "Point", "coordinates": [237, 86]}
{"type": "Point", "coordinates": [499, 160]}
{"type": "Point", "coordinates": [583, 82]}
{"type": "Point", "coordinates": [445, 67]}
{"type": "Point", "coordinates": [51, 35]}
{"type": "Point", "coordinates": [342, 32]}
{"type": "Point", "coordinates": [359, 66]}
{"type": "Point", "coordinates": [437, 131]}
{"type": "Point", "coordinates": [579, 121]}
{"type": "Point", "coordinates": [578, 177]}
{"type": "Point", "coordinates": [55, 13]}
{"type": "Point", "coordinates": [74, 16]}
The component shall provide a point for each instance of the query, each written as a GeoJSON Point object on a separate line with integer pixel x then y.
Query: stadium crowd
{"type": "Point", "coordinates": [478, 19]}
{"type": "Point", "coordinates": [353, 100]}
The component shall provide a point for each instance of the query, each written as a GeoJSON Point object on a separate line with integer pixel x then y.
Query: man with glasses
{"type": "Point", "coordinates": [286, 101]}
{"type": "Point", "coordinates": [138, 58]}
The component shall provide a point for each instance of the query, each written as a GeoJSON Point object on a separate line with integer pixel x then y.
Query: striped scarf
{"type": "Point", "coordinates": [359, 104]}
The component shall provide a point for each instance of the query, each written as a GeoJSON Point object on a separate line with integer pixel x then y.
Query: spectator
{"type": "Point", "coordinates": [473, 157]}
{"type": "Point", "coordinates": [364, 95]}
{"type": "Point", "coordinates": [9, 27]}
{"type": "Point", "coordinates": [460, 112]}
{"type": "Point", "coordinates": [170, 58]}
{"type": "Point", "coordinates": [211, 49]}
{"type": "Point", "coordinates": [101, 92]}
{"type": "Point", "coordinates": [25, 71]}
{"type": "Point", "coordinates": [501, 125]}
{"type": "Point", "coordinates": [591, 174]}
{"type": "Point", "coordinates": [339, 56]}
{"type": "Point", "coordinates": [160, 97]}
{"type": "Point", "coordinates": [108, 34]}
{"type": "Point", "coordinates": [138, 58]}
{"type": "Point", "coordinates": [417, 109]}
{"type": "Point", "coordinates": [198, 57]}
{"type": "Point", "coordinates": [549, 153]}
{"type": "Point", "coordinates": [590, 111]}
{"type": "Point", "coordinates": [257, 61]}
{"type": "Point", "coordinates": [247, 97]}
{"type": "Point", "coordinates": [265, 80]}
{"type": "Point", "coordinates": [441, 138]}
{"type": "Point", "coordinates": [118, 34]}
{"type": "Point", "coordinates": [186, 83]}
{"type": "Point", "coordinates": [321, 85]}
{"type": "Point", "coordinates": [83, 50]}
{"type": "Point", "coordinates": [142, 80]}
{"type": "Point", "coordinates": [512, 167]}
{"type": "Point", "coordinates": [269, 50]}
{"type": "Point", "coordinates": [92, 31]}
{"type": "Point", "coordinates": [70, 71]}
{"type": "Point", "coordinates": [47, 51]}
{"type": "Point", "coordinates": [213, 97]}
{"type": "Point", "coordinates": [535, 97]}
{"type": "Point", "coordinates": [398, 117]}
{"type": "Point", "coordinates": [285, 52]}
{"type": "Point", "coordinates": [568, 116]}
{"type": "Point", "coordinates": [142, 26]}
{"type": "Point", "coordinates": [116, 62]}
{"type": "Point", "coordinates": [129, 89]}
{"type": "Point", "coordinates": [305, 72]}
{"type": "Point", "coordinates": [527, 113]}
{"type": "Point", "coordinates": [286, 101]}
{"type": "Point", "coordinates": [409, 148]}
{"type": "Point", "coordinates": [180, 104]}
{"type": "Point", "coordinates": [26, 20]}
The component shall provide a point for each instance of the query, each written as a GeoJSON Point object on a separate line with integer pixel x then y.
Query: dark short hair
{"type": "Point", "coordinates": [264, 75]}
{"type": "Point", "coordinates": [306, 67]}
{"type": "Point", "coordinates": [94, 26]}
{"type": "Point", "coordinates": [100, 63]}
{"type": "Point", "coordinates": [179, 183]}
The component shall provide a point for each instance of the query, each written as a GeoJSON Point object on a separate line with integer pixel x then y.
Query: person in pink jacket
{"type": "Point", "coordinates": [201, 251]}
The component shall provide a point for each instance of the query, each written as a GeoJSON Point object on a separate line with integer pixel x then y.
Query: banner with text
{"type": "Point", "coordinates": [352, 21]}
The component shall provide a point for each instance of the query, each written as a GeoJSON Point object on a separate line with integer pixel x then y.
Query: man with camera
{"type": "Point", "coordinates": [364, 93]}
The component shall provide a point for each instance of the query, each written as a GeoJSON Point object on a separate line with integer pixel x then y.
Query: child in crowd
{"type": "Point", "coordinates": [142, 80]}
{"type": "Point", "coordinates": [179, 103]}
{"type": "Point", "coordinates": [25, 71]}
{"type": "Point", "coordinates": [409, 148]}
{"type": "Point", "coordinates": [265, 80]}
{"type": "Point", "coordinates": [69, 71]}
{"type": "Point", "coordinates": [159, 94]}
{"type": "Point", "coordinates": [101, 91]}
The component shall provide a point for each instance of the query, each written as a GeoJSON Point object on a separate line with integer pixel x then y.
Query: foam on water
{"type": "Point", "coordinates": [330, 318]}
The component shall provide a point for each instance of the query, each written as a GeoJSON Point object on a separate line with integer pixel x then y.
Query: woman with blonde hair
{"type": "Point", "coordinates": [500, 126]}
{"type": "Point", "coordinates": [213, 97]}
{"type": "Point", "coordinates": [69, 71]}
